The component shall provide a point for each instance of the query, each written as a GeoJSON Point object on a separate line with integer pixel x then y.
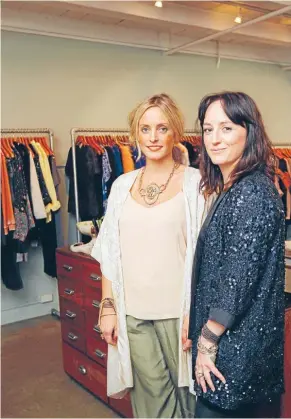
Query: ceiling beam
{"type": "Point", "coordinates": [283, 2]}
{"type": "Point", "coordinates": [229, 30]}
{"type": "Point", "coordinates": [65, 27]}
{"type": "Point", "coordinates": [173, 13]}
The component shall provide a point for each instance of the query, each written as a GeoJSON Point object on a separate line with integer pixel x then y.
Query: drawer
{"type": "Point", "coordinates": [71, 290]}
{"type": "Point", "coordinates": [68, 267]}
{"type": "Point", "coordinates": [74, 336]}
{"type": "Point", "coordinates": [91, 275]}
{"type": "Point", "coordinates": [92, 299]}
{"type": "Point", "coordinates": [122, 406]}
{"type": "Point", "coordinates": [97, 349]}
{"type": "Point", "coordinates": [72, 313]}
{"type": "Point", "coordinates": [92, 325]}
{"type": "Point", "coordinates": [88, 373]}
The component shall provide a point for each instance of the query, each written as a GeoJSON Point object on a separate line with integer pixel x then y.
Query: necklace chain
{"type": "Point", "coordinates": [151, 193]}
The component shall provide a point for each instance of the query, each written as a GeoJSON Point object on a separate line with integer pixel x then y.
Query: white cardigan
{"type": "Point", "coordinates": [107, 252]}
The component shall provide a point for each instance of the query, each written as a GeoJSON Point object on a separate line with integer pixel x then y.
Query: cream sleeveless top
{"type": "Point", "coordinates": [153, 248]}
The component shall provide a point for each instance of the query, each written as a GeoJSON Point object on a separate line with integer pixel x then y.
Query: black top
{"type": "Point", "coordinates": [89, 178]}
{"type": "Point", "coordinates": [238, 281]}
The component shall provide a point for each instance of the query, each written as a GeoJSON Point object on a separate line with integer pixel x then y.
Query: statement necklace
{"type": "Point", "coordinates": [151, 193]}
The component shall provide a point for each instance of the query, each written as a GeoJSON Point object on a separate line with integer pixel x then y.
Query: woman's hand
{"type": "Point", "coordinates": [204, 365]}
{"type": "Point", "coordinates": [108, 326]}
{"type": "Point", "coordinates": [187, 343]}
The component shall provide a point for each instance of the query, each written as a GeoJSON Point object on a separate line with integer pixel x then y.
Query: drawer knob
{"type": "Point", "coordinates": [95, 277]}
{"type": "Point", "coordinates": [71, 336]}
{"type": "Point", "coordinates": [100, 354]}
{"type": "Point", "coordinates": [68, 268]}
{"type": "Point", "coordinates": [68, 291]}
{"type": "Point", "coordinates": [70, 314]}
{"type": "Point", "coordinates": [96, 303]}
{"type": "Point", "coordinates": [82, 370]}
{"type": "Point", "coordinates": [97, 329]}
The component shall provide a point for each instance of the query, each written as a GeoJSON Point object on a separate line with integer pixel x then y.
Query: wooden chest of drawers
{"type": "Point", "coordinates": [84, 352]}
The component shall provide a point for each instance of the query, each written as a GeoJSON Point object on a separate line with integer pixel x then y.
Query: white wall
{"type": "Point", "coordinates": [60, 84]}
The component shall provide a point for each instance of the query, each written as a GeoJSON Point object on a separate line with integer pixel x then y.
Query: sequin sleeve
{"type": "Point", "coordinates": [246, 240]}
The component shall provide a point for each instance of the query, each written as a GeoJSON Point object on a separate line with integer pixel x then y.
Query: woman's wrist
{"type": "Point", "coordinates": [207, 343]}
{"type": "Point", "coordinates": [106, 308]}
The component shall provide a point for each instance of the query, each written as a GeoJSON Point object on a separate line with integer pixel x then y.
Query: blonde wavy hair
{"type": "Point", "coordinates": [169, 108]}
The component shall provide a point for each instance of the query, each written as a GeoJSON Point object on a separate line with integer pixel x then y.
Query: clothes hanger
{"type": "Point", "coordinates": [93, 142]}
{"type": "Point", "coordinates": [45, 146]}
{"type": "Point", "coordinates": [7, 151]}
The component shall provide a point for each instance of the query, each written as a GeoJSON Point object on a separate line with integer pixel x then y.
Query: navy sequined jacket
{"type": "Point", "coordinates": [238, 281]}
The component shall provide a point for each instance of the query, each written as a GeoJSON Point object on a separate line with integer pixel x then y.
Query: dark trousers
{"type": "Point", "coordinates": [261, 410]}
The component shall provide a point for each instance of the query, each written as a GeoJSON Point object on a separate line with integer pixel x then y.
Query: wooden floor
{"type": "Point", "coordinates": [34, 383]}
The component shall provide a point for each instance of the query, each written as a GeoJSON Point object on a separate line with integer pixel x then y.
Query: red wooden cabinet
{"type": "Point", "coordinates": [84, 352]}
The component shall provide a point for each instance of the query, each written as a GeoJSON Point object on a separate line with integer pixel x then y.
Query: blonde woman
{"type": "Point", "coordinates": [145, 248]}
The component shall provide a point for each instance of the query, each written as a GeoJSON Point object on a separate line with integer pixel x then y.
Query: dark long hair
{"type": "Point", "coordinates": [242, 110]}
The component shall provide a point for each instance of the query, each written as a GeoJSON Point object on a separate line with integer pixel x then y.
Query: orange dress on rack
{"type": "Point", "coordinates": [127, 160]}
{"type": "Point", "coordinates": [7, 207]}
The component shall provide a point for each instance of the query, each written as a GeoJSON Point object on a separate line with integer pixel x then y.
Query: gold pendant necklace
{"type": "Point", "coordinates": [151, 193]}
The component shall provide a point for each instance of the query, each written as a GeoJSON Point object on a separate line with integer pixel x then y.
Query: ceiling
{"type": "Point", "coordinates": [177, 27]}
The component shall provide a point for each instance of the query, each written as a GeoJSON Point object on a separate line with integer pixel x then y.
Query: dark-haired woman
{"type": "Point", "coordinates": [237, 307]}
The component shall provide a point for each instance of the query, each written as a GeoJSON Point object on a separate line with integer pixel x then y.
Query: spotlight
{"type": "Point", "coordinates": [238, 18]}
{"type": "Point", "coordinates": [159, 4]}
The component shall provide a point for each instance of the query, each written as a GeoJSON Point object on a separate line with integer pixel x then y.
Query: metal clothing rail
{"type": "Point", "coordinates": [74, 133]}
{"type": "Point", "coordinates": [47, 131]}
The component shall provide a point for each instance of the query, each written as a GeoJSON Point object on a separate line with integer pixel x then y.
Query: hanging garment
{"type": "Point", "coordinates": [113, 175]}
{"type": "Point", "coordinates": [55, 174]}
{"type": "Point", "coordinates": [10, 272]}
{"type": "Point", "coordinates": [46, 171]}
{"type": "Point", "coordinates": [137, 163]}
{"type": "Point", "coordinates": [89, 180]}
{"type": "Point", "coordinates": [44, 192]}
{"type": "Point", "coordinates": [48, 238]}
{"type": "Point", "coordinates": [58, 218]}
{"type": "Point", "coordinates": [127, 161]}
{"type": "Point", "coordinates": [24, 154]}
{"type": "Point", "coordinates": [36, 196]}
{"type": "Point", "coordinates": [21, 205]}
{"type": "Point", "coordinates": [7, 208]}
{"type": "Point", "coordinates": [106, 174]}
{"type": "Point", "coordinates": [117, 161]}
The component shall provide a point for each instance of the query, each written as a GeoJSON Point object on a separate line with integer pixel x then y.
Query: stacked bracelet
{"type": "Point", "coordinates": [106, 303]}
{"type": "Point", "coordinates": [209, 335]}
{"type": "Point", "coordinates": [212, 351]}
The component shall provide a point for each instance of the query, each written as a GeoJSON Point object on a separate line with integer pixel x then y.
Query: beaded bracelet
{"type": "Point", "coordinates": [209, 335]}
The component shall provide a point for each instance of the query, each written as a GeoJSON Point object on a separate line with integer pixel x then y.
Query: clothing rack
{"type": "Point", "coordinates": [96, 131]}
{"type": "Point", "coordinates": [74, 133]}
{"type": "Point", "coordinates": [31, 131]}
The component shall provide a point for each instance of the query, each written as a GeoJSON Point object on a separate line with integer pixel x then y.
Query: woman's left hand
{"type": "Point", "coordinates": [204, 365]}
{"type": "Point", "coordinates": [187, 343]}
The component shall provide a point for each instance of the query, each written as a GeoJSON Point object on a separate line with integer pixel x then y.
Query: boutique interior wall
{"type": "Point", "coordinates": [61, 83]}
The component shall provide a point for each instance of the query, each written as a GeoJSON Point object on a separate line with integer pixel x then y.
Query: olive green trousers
{"type": "Point", "coordinates": [154, 346]}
